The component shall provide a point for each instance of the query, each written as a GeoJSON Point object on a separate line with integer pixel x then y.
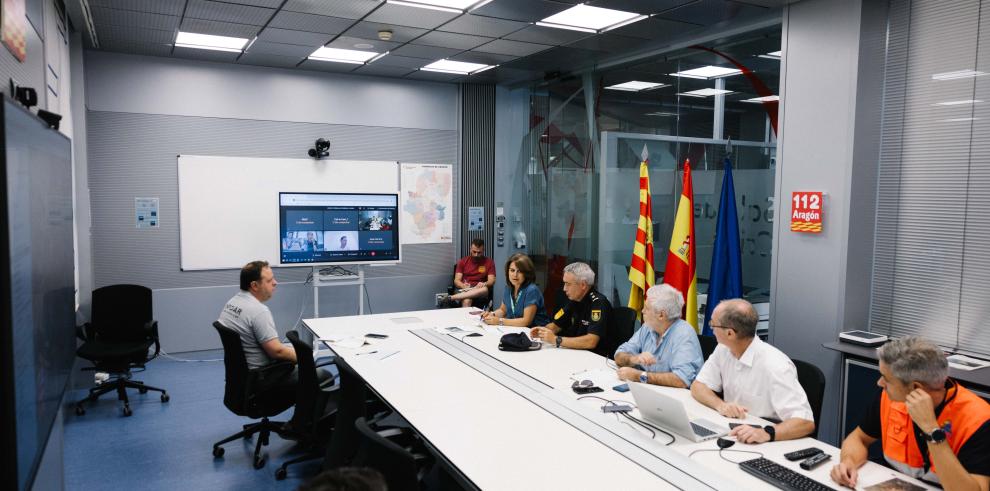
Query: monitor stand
{"type": "Point", "coordinates": [321, 281]}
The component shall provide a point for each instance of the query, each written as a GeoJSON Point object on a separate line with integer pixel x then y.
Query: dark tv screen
{"type": "Point", "coordinates": [37, 285]}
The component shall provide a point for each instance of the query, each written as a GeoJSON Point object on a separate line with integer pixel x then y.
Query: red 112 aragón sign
{"type": "Point", "coordinates": [807, 208]}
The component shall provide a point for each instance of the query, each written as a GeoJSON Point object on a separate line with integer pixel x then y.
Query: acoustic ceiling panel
{"type": "Point", "coordinates": [656, 28]}
{"type": "Point", "coordinates": [136, 48]}
{"type": "Point", "coordinates": [134, 35]}
{"type": "Point", "coordinates": [272, 4]}
{"type": "Point", "coordinates": [390, 13]}
{"type": "Point", "coordinates": [310, 22]}
{"type": "Point", "coordinates": [514, 48]}
{"type": "Point", "coordinates": [482, 26]}
{"type": "Point", "coordinates": [451, 40]}
{"type": "Point", "coordinates": [228, 12]}
{"type": "Point", "coordinates": [483, 58]}
{"type": "Point", "coordinates": [347, 9]}
{"type": "Point", "coordinates": [392, 59]}
{"type": "Point", "coordinates": [327, 66]}
{"type": "Point", "coordinates": [382, 70]}
{"type": "Point", "coordinates": [347, 42]}
{"type": "Point", "coordinates": [130, 18]}
{"type": "Point", "coordinates": [640, 6]}
{"type": "Point", "coordinates": [547, 35]}
{"type": "Point", "coordinates": [610, 43]}
{"type": "Point", "coordinates": [288, 36]}
{"type": "Point", "coordinates": [270, 48]}
{"type": "Point", "coordinates": [201, 26]}
{"type": "Point", "coordinates": [431, 53]}
{"type": "Point", "coordinates": [168, 7]}
{"type": "Point", "coordinates": [205, 54]}
{"type": "Point", "coordinates": [434, 76]}
{"type": "Point", "coordinates": [522, 10]}
{"type": "Point", "coordinates": [265, 59]}
{"type": "Point", "coordinates": [708, 12]}
{"type": "Point", "coordinates": [370, 30]}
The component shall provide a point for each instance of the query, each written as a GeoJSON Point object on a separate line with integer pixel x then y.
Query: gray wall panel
{"type": "Point", "coordinates": [478, 161]}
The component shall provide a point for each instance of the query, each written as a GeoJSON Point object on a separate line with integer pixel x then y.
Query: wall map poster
{"type": "Point", "coordinates": [426, 206]}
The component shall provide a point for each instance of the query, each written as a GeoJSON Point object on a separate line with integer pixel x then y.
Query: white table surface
{"type": "Point", "coordinates": [419, 373]}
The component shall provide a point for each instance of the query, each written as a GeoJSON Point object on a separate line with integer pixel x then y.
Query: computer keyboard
{"type": "Point", "coordinates": [781, 476]}
{"type": "Point", "coordinates": [701, 430]}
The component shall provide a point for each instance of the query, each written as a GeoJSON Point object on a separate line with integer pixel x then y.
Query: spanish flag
{"type": "Point", "coordinates": [641, 266]}
{"type": "Point", "coordinates": [680, 271]}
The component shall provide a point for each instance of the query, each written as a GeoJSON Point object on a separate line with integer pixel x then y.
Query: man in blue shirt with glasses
{"type": "Point", "coordinates": [665, 350]}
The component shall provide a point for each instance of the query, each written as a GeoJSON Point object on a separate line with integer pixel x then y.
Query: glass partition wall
{"type": "Point", "coordinates": [580, 162]}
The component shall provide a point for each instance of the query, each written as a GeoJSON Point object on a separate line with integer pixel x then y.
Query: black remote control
{"type": "Point", "coordinates": [802, 454]}
{"type": "Point", "coordinates": [812, 462]}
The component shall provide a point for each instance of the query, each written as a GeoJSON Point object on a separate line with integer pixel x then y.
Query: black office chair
{"type": "Point", "coordinates": [118, 339]}
{"type": "Point", "coordinates": [243, 398]}
{"type": "Point", "coordinates": [403, 467]}
{"type": "Point", "coordinates": [621, 324]}
{"type": "Point", "coordinates": [352, 405]}
{"type": "Point", "coordinates": [316, 407]}
{"type": "Point", "coordinates": [812, 380]}
{"type": "Point", "coordinates": [708, 345]}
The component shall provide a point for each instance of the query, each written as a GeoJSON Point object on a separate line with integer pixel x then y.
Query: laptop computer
{"type": "Point", "coordinates": [670, 413]}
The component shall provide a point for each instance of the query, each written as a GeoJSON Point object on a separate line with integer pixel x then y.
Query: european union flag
{"type": "Point", "coordinates": [725, 280]}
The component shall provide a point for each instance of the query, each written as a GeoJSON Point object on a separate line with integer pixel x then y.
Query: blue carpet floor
{"type": "Point", "coordinates": [168, 446]}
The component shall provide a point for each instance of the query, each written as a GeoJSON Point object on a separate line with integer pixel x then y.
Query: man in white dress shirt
{"type": "Point", "coordinates": [756, 379]}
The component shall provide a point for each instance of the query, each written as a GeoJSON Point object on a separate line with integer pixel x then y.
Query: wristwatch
{"type": "Point", "coordinates": [501, 321]}
{"type": "Point", "coordinates": [771, 431]}
{"type": "Point", "coordinates": [559, 339]}
{"type": "Point", "coordinates": [936, 436]}
{"type": "Point", "coordinates": [642, 377]}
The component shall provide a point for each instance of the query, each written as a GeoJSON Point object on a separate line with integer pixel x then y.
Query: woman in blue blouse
{"type": "Point", "coordinates": [522, 301]}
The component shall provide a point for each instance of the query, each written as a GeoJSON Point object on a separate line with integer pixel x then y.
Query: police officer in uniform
{"type": "Point", "coordinates": [582, 322]}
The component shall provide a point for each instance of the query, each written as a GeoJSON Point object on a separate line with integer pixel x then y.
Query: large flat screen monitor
{"type": "Point", "coordinates": [338, 228]}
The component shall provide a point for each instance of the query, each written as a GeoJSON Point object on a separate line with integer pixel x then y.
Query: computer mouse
{"type": "Point", "coordinates": [724, 443]}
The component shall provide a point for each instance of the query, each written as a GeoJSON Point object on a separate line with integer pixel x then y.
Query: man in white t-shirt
{"type": "Point", "coordinates": [246, 314]}
{"type": "Point", "coordinates": [756, 379]}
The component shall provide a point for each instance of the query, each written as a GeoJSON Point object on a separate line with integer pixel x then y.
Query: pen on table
{"type": "Point", "coordinates": [366, 353]}
{"type": "Point", "coordinates": [388, 355]}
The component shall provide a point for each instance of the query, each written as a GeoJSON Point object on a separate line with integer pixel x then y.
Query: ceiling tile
{"type": "Point", "coordinates": [327, 66]}
{"type": "Point", "coordinates": [310, 22]}
{"type": "Point", "coordinates": [288, 36]}
{"type": "Point", "coordinates": [274, 4]}
{"type": "Point", "coordinates": [280, 49]}
{"type": "Point", "coordinates": [515, 48]}
{"type": "Point", "coordinates": [348, 42]}
{"type": "Point", "coordinates": [483, 58]}
{"type": "Point", "coordinates": [608, 42]}
{"type": "Point", "coordinates": [432, 53]}
{"type": "Point", "coordinates": [168, 7]}
{"type": "Point", "coordinates": [640, 6]}
{"type": "Point", "coordinates": [130, 18]}
{"type": "Point", "coordinates": [137, 48]}
{"type": "Point", "coordinates": [205, 54]}
{"type": "Point", "coordinates": [522, 10]}
{"type": "Point", "coordinates": [219, 28]}
{"type": "Point", "coordinates": [265, 59]}
{"type": "Point", "coordinates": [402, 61]}
{"type": "Point", "coordinates": [547, 35]}
{"type": "Point", "coordinates": [482, 26]}
{"type": "Point", "coordinates": [656, 28]}
{"type": "Point", "coordinates": [434, 76]}
{"type": "Point", "coordinates": [382, 70]}
{"type": "Point", "coordinates": [708, 12]}
{"type": "Point", "coordinates": [107, 32]}
{"type": "Point", "coordinates": [556, 59]}
{"type": "Point", "coordinates": [410, 16]}
{"type": "Point", "coordinates": [369, 30]}
{"type": "Point", "coordinates": [347, 9]}
{"type": "Point", "coordinates": [228, 12]}
{"type": "Point", "coordinates": [451, 40]}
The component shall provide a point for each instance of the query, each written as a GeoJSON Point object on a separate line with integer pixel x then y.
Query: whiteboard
{"type": "Point", "coordinates": [228, 206]}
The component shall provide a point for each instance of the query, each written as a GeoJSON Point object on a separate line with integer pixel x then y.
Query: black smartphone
{"type": "Point", "coordinates": [376, 336]}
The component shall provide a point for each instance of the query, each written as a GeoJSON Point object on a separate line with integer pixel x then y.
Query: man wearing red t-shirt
{"type": "Point", "coordinates": [474, 276]}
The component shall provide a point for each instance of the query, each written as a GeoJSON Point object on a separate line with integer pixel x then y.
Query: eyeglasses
{"type": "Point", "coordinates": [582, 384]}
{"type": "Point", "coordinates": [721, 327]}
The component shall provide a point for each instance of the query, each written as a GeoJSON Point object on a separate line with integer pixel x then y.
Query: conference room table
{"type": "Point", "coordinates": [510, 420]}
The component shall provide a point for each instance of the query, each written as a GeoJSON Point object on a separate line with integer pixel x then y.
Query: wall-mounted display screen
{"type": "Point", "coordinates": [335, 228]}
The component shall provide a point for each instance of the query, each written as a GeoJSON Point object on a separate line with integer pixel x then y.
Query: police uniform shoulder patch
{"type": "Point", "coordinates": [596, 315]}
{"type": "Point", "coordinates": [559, 314]}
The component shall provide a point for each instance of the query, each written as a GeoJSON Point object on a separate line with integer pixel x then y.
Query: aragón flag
{"type": "Point", "coordinates": [641, 273]}
{"type": "Point", "coordinates": [680, 271]}
{"type": "Point", "coordinates": [725, 280]}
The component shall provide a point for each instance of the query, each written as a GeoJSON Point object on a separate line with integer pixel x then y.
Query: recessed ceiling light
{"type": "Point", "coordinates": [208, 41]}
{"type": "Point", "coordinates": [453, 6]}
{"type": "Point", "coordinates": [590, 19]}
{"type": "Point", "coordinates": [458, 67]}
{"type": "Point", "coordinates": [338, 55]}
{"type": "Point", "coordinates": [635, 86]}
{"type": "Point", "coordinates": [708, 72]}
{"type": "Point", "coordinates": [769, 98]}
{"type": "Point", "coordinates": [957, 103]}
{"type": "Point", "coordinates": [957, 74]}
{"type": "Point", "coordinates": [705, 92]}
